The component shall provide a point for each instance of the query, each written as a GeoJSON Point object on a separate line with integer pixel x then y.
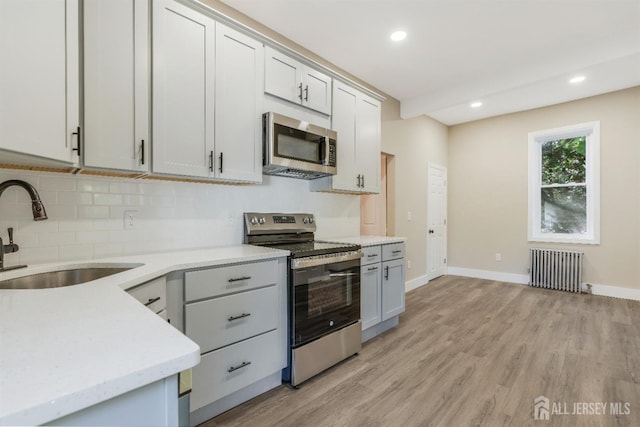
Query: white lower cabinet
{"type": "Point", "coordinates": [382, 288]}
{"type": "Point", "coordinates": [235, 313]}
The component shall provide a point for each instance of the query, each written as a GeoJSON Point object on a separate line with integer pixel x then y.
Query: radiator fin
{"type": "Point", "coordinates": [555, 269]}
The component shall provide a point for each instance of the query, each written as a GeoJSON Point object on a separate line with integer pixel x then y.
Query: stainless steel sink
{"type": "Point", "coordinates": [56, 279]}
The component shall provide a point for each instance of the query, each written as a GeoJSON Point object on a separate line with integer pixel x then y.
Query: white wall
{"type": "Point", "coordinates": [488, 189]}
{"type": "Point", "coordinates": [86, 214]}
{"type": "Point", "coordinates": [414, 143]}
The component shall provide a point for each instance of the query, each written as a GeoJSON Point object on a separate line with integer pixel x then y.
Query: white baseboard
{"type": "Point", "coordinates": [522, 279]}
{"type": "Point", "coordinates": [415, 283]}
{"type": "Point", "coordinates": [601, 290]}
{"type": "Point", "coordinates": [615, 292]}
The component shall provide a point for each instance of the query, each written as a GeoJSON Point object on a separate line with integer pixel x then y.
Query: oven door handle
{"type": "Point", "coordinates": [342, 274]}
{"type": "Point", "coordinates": [304, 262]}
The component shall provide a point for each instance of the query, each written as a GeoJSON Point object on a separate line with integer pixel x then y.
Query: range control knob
{"type": "Point", "coordinates": [262, 220]}
{"type": "Point", "coordinates": [311, 220]}
{"type": "Point", "coordinates": [254, 221]}
{"type": "Point", "coordinates": [305, 220]}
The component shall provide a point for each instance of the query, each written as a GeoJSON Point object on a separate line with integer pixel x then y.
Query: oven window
{"type": "Point", "coordinates": [328, 295]}
{"type": "Point", "coordinates": [325, 298]}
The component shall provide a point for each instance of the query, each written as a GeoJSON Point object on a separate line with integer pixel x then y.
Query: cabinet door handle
{"type": "Point", "coordinates": [78, 134]}
{"type": "Point", "coordinates": [151, 301]}
{"type": "Point", "coordinates": [221, 160]}
{"type": "Point", "coordinates": [239, 279]}
{"type": "Point", "coordinates": [241, 316]}
{"type": "Point", "coordinates": [300, 95]}
{"type": "Point", "coordinates": [142, 152]}
{"type": "Point", "coordinates": [211, 161]}
{"type": "Point", "coordinates": [358, 181]}
{"type": "Point", "coordinates": [363, 181]}
{"type": "Point", "coordinates": [306, 93]}
{"type": "Point", "coordinates": [386, 273]}
{"type": "Point", "coordinates": [372, 268]}
{"type": "Point", "coordinates": [240, 366]}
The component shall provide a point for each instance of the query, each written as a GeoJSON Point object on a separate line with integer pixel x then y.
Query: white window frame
{"type": "Point", "coordinates": [592, 132]}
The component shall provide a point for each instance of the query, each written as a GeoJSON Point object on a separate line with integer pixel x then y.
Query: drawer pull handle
{"type": "Point", "coordinates": [242, 316]}
{"type": "Point", "coordinates": [396, 251]}
{"type": "Point", "coordinates": [240, 366]}
{"type": "Point", "coordinates": [151, 301]}
{"type": "Point", "coordinates": [372, 268]}
{"type": "Point", "coordinates": [239, 279]}
{"type": "Point", "coordinates": [372, 255]}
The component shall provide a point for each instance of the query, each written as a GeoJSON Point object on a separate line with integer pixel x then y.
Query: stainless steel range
{"type": "Point", "coordinates": [324, 292]}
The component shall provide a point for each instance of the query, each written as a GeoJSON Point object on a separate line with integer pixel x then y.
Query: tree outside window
{"type": "Point", "coordinates": [563, 184]}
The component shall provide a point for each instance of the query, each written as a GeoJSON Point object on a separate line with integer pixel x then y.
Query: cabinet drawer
{"type": "Point", "coordinates": [229, 369]}
{"type": "Point", "coordinates": [371, 254]}
{"type": "Point", "coordinates": [222, 321]}
{"type": "Point", "coordinates": [153, 294]}
{"type": "Point", "coordinates": [392, 251]}
{"type": "Point", "coordinates": [225, 280]}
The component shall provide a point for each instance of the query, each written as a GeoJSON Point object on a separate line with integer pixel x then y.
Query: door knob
{"type": "Point", "coordinates": [430, 231]}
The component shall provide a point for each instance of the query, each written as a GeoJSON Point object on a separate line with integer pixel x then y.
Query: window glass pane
{"type": "Point", "coordinates": [563, 210]}
{"type": "Point", "coordinates": [564, 161]}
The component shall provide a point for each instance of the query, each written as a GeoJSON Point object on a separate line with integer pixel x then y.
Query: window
{"type": "Point", "coordinates": [564, 190]}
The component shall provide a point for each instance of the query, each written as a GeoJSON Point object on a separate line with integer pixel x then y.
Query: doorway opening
{"type": "Point", "coordinates": [377, 211]}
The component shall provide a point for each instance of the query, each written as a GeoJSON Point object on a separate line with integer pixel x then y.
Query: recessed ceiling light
{"type": "Point", "coordinates": [399, 35]}
{"type": "Point", "coordinates": [577, 79]}
{"type": "Point", "coordinates": [476, 104]}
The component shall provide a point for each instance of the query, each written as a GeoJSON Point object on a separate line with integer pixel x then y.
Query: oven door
{"type": "Point", "coordinates": [325, 298]}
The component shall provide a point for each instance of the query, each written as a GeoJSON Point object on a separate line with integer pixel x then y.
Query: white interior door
{"type": "Point", "coordinates": [436, 221]}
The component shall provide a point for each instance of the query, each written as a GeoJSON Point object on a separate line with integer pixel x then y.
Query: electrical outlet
{"type": "Point", "coordinates": [409, 216]}
{"type": "Point", "coordinates": [498, 256]}
{"type": "Point", "coordinates": [408, 264]}
{"type": "Point", "coordinates": [130, 222]}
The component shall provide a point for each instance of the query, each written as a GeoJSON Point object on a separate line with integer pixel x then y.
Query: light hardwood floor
{"type": "Point", "coordinates": [474, 352]}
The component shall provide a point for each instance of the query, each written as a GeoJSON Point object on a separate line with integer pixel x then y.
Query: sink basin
{"type": "Point", "coordinates": [56, 279]}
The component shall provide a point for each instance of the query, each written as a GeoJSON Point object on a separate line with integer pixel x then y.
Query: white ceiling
{"type": "Point", "coordinates": [512, 55]}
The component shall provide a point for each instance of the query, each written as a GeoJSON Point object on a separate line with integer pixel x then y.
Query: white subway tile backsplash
{"type": "Point", "coordinates": [61, 238]}
{"type": "Point", "coordinates": [78, 225]}
{"type": "Point", "coordinates": [92, 236]}
{"type": "Point", "coordinates": [93, 212]}
{"type": "Point", "coordinates": [73, 198]}
{"type": "Point", "coordinates": [93, 186]}
{"type": "Point", "coordinates": [107, 199]}
{"type": "Point", "coordinates": [56, 183]}
{"type": "Point", "coordinates": [86, 214]}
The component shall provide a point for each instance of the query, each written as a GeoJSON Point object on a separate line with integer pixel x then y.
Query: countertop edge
{"type": "Point", "coordinates": [47, 409]}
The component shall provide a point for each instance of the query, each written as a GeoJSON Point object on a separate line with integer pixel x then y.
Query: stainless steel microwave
{"type": "Point", "coordinates": [297, 149]}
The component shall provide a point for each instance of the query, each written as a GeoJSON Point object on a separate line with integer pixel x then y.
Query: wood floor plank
{"type": "Point", "coordinates": [472, 352]}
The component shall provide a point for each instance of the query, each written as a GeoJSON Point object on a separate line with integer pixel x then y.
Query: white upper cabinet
{"type": "Point", "coordinates": [39, 78]}
{"type": "Point", "coordinates": [356, 119]}
{"type": "Point", "coordinates": [183, 90]}
{"type": "Point", "coordinates": [208, 95]}
{"type": "Point", "coordinates": [293, 81]}
{"type": "Point", "coordinates": [239, 99]}
{"type": "Point", "coordinates": [116, 84]}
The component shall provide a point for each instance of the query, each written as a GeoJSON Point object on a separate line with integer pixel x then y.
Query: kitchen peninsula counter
{"type": "Point", "coordinates": [69, 348]}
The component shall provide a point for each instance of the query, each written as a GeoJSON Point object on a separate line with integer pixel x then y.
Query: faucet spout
{"type": "Point", "coordinates": [37, 208]}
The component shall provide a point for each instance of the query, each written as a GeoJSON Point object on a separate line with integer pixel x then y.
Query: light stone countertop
{"type": "Point", "coordinates": [65, 349]}
{"type": "Point", "coordinates": [368, 240]}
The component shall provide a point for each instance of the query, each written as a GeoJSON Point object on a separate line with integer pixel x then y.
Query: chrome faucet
{"type": "Point", "coordinates": [37, 209]}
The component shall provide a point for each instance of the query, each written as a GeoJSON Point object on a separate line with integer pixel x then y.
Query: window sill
{"type": "Point", "coordinates": [569, 238]}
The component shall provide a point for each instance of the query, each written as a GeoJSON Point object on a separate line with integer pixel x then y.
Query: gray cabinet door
{"type": "Point", "coordinates": [370, 295]}
{"type": "Point", "coordinates": [392, 288]}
